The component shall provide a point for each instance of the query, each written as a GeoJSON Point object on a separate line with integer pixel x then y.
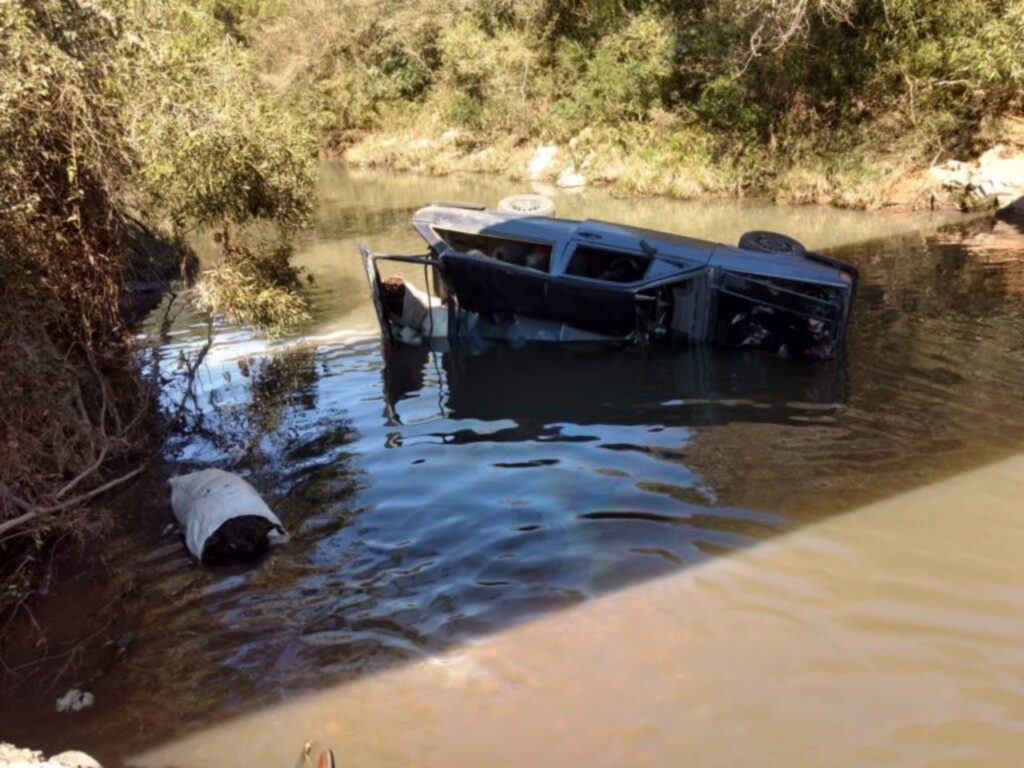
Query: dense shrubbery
{"type": "Point", "coordinates": [62, 256]}
{"type": "Point", "coordinates": [761, 85]}
{"type": "Point", "coordinates": [215, 152]}
{"type": "Point", "coordinates": [111, 113]}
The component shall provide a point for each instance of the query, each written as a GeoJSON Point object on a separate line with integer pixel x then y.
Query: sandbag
{"type": "Point", "coordinates": [205, 501]}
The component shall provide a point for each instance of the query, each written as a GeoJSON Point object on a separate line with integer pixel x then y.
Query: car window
{"type": "Point", "coordinates": [608, 265]}
{"type": "Point", "coordinates": [522, 253]}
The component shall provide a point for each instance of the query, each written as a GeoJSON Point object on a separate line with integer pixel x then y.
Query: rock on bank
{"type": "Point", "coordinates": [14, 757]}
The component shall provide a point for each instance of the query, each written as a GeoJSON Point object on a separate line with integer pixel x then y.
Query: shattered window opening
{"type": "Point", "coordinates": [520, 253]}
{"type": "Point", "coordinates": [610, 266]}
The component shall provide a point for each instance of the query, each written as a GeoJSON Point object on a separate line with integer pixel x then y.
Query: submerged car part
{"type": "Point", "coordinates": [502, 275]}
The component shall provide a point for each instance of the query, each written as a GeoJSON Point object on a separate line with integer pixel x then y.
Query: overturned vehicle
{"type": "Point", "coordinates": [521, 276]}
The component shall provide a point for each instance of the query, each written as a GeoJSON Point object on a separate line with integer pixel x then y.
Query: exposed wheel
{"type": "Point", "coordinates": [528, 205]}
{"type": "Point", "coordinates": [770, 242]}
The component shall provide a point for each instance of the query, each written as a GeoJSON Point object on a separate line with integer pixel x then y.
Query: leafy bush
{"type": "Point", "coordinates": [628, 72]}
{"type": "Point", "coordinates": [257, 287]}
{"type": "Point", "coordinates": [67, 402]}
{"type": "Point", "coordinates": [214, 151]}
{"type": "Point", "coordinates": [775, 89]}
{"type": "Point", "coordinates": [211, 146]}
{"type": "Point", "coordinates": [108, 112]}
{"type": "Point", "coordinates": [486, 76]}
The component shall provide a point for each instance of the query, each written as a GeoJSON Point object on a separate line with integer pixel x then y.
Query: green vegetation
{"type": "Point", "coordinates": [111, 114]}
{"type": "Point", "coordinates": [255, 286]}
{"type": "Point", "coordinates": [216, 152]}
{"type": "Point", "coordinates": [810, 99]}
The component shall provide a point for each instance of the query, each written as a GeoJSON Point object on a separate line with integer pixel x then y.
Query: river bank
{"type": "Point", "coordinates": [844, 102]}
{"type": "Point", "coordinates": [643, 161]}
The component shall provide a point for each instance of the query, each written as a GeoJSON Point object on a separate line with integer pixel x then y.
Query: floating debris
{"type": "Point", "coordinates": [75, 701]}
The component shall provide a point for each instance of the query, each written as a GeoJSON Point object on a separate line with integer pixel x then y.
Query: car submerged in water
{"type": "Point", "coordinates": [520, 276]}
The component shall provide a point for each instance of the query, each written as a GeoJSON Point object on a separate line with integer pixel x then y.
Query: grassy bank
{"type": "Point", "coordinates": [841, 101]}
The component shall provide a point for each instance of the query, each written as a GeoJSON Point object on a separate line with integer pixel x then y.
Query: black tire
{"type": "Point", "coordinates": [771, 242]}
{"type": "Point", "coordinates": [528, 205]}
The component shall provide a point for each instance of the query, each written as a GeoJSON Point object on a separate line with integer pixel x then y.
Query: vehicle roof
{"type": "Point", "coordinates": [499, 223]}
{"type": "Point", "coordinates": [607, 230]}
{"type": "Point", "coordinates": [670, 246]}
{"type": "Point", "coordinates": [488, 222]}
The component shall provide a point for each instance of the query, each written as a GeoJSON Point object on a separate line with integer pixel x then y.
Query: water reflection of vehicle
{"type": "Point", "coordinates": [589, 384]}
{"type": "Point", "coordinates": [507, 276]}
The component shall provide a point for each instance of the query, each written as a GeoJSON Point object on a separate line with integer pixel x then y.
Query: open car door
{"type": "Point", "coordinates": [376, 293]}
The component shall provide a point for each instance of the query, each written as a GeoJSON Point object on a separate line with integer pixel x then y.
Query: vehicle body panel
{"type": "Point", "coordinates": [508, 275]}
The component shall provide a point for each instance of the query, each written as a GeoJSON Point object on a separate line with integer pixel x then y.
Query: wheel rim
{"type": "Point", "coordinates": [527, 206]}
{"type": "Point", "coordinates": [774, 244]}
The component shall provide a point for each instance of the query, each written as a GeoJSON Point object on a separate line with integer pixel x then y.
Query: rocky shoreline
{"type": "Point", "coordinates": [994, 180]}
{"type": "Point", "coordinates": [991, 181]}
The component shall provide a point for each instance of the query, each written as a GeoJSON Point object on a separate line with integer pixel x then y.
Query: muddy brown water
{"type": "Point", "coordinates": [443, 499]}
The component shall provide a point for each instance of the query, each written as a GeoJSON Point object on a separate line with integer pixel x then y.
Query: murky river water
{"type": "Point", "coordinates": [437, 499]}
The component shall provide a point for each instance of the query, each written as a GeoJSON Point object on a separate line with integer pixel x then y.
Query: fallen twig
{"type": "Point", "coordinates": [36, 512]}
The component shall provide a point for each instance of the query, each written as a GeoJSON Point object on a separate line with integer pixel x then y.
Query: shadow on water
{"type": "Point", "coordinates": [436, 496]}
{"type": "Point", "coordinates": [542, 384]}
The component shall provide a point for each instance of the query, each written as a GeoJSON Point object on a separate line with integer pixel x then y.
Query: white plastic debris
{"type": "Point", "coordinates": [541, 161]}
{"type": "Point", "coordinates": [423, 316]}
{"type": "Point", "coordinates": [570, 178]}
{"type": "Point", "coordinates": [74, 759]}
{"type": "Point", "coordinates": [203, 501]}
{"type": "Point", "coordinates": [75, 701]}
{"type": "Point", "coordinates": [13, 757]}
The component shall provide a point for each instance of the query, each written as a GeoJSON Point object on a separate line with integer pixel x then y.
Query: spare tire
{"type": "Point", "coordinates": [771, 242]}
{"type": "Point", "coordinates": [528, 205]}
